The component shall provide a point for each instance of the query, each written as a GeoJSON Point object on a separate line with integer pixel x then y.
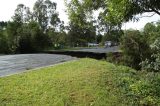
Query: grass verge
{"type": "Point", "coordinates": [86, 82]}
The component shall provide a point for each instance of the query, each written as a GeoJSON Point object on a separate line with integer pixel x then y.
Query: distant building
{"type": "Point", "coordinates": [93, 44]}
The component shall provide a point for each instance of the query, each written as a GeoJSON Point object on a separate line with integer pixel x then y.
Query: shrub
{"type": "Point", "coordinates": [114, 57]}
{"type": "Point", "coordinates": [135, 48]}
{"type": "Point", "coordinates": [5, 47]}
{"type": "Point", "coordinates": [153, 63]}
{"type": "Point", "coordinates": [140, 88]}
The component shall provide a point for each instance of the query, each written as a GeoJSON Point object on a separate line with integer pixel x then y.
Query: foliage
{"type": "Point", "coordinates": [41, 28]}
{"type": "Point", "coordinates": [117, 11]}
{"type": "Point", "coordinates": [142, 6]}
{"type": "Point", "coordinates": [4, 44]}
{"type": "Point", "coordinates": [28, 31]}
{"type": "Point", "coordinates": [151, 31]}
{"type": "Point", "coordinates": [58, 38]}
{"type": "Point", "coordinates": [130, 9]}
{"type": "Point", "coordinates": [12, 35]}
{"type": "Point", "coordinates": [135, 48]}
{"type": "Point", "coordinates": [115, 58]}
{"type": "Point", "coordinates": [153, 63]}
{"type": "Point", "coordinates": [44, 12]}
{"type": "Point", "coordinates": [113, 35]}
{"type": "Point", "coordinates": [78, 36]}
{"type": "Point", "coordinates": [32, 38]}
{"type": "Point", "coordinates": [141, 88]}
{"type": "Point", "coordinates": [99, 38]}
{"type": "Point", "coordinates": [3, 24]}
{"type": "Point", "coordinates": [81, 26]}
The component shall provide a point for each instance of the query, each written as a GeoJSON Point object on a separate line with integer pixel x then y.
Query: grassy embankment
{"type": "Point", "coordinates": [85, 82]}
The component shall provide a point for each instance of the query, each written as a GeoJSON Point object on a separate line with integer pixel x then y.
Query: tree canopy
{"type": "Point", "coordinates": [81, 24]}
{"type": "Point", "coordinates": [118, 11]}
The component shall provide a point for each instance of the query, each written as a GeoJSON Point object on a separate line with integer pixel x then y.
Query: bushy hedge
{"type": "Point", "coordinates": [153, 63]}
{"type": "Point", "coordinates": [135, 48]}
{"type": "Point", "coordinates": [140, 88]}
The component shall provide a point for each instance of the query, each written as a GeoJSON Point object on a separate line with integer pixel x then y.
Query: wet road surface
{"type": "Point", "coordinates": [12, 64]}
{"type": "Point", "coordinates": [100, 50]}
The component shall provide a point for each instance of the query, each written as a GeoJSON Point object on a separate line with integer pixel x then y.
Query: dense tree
{"type": "Point", "coordinates": [55, 21]}
{"type": "Point", "coordinates": [150, 31]}
{"type": "Point", "coordinates": [3, 24]}
{"type": "Point", "coordinates": [28, 31]}
{"type": "Point", "coordinates": [81, 25]}
{"type": "Point", "coordinates": [118, 11]}
{"type": "Point", "coordinates": [153, 63]}
{"type": "Point", "coordinates": [44, 13]}
{"type": "Point", "coordinates": [4, 46]}
{"type": "Point", "coordinates": [130, 9]}
{"type": "Point", "coordinates": [135, 44]}
{"type": "Point", "coordinates": [135, 48]}
{"type": "Point", "coordinates": [80, 12]}
{"type": "Point", "coordinates": [13, 29]}
{"type": "Point", "coordinates": [99, 38]}
{"type": "Point", "coordinates": [142, 6]}
{"type": "Point", "coordinates": [22, 14]}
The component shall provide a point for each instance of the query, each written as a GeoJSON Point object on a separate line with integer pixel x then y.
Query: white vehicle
{"type": "Point", "coordinates": [108, 44]}
{"type": "Point", "coordinates": [93, 44]}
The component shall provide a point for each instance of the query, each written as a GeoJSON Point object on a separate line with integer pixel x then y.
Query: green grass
{"type": "Point", "coordinates": [85, 82]}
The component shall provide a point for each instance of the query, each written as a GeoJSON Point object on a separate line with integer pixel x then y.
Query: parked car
{"type": "Point", "coordinates": [93, 44]}
{"type": "Point", "coordinates": [108, 44]}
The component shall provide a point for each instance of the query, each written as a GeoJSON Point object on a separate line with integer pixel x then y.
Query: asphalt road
{"type": "Point", "coordinates": [13, 64]}
{"type": "Point", "coordinates": [100, 50]}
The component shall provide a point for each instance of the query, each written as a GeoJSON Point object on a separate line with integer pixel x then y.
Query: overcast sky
{"type": "Point", "coordinates": [7, 8]}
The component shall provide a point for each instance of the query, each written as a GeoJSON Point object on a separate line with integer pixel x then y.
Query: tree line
{"type": "Point", "coordinates": [40, 28]}
{"type": "Point", "coordinates": [140, 49]}
{"type": "Point", "coordinates": [33, 30]}
{"type": "Point", "coordinates": [29, 31]}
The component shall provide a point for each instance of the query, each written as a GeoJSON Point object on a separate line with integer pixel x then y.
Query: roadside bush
{"type": "Point", "coordinates": [4, 47]}
{"type": "Point", "coordinates": [32, 39]}
{"type": "Point", "coordinates": [142, 92]}
{"type": "Point", "coordinates": [140, 88]}
{"type": "Point", "coordinates": [26, 44]}
{"type": "Point", "coordinates": [135, 48]}
{"type": "Point", "coordinates": [115, 58]}
{"type": "Point", "coordinates": [153, 63]}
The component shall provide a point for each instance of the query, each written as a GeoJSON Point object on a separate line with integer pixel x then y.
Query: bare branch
{"type": "Point", "coordinates": [147, 15]}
